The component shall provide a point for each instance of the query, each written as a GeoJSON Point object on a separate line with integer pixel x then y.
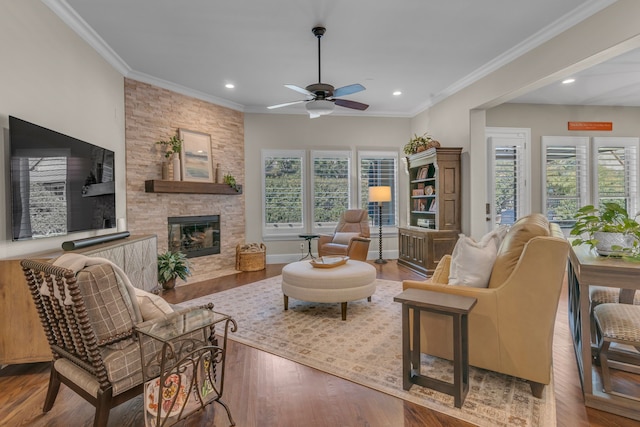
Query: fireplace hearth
{"type": "Point", "coordinates": [194, 235]}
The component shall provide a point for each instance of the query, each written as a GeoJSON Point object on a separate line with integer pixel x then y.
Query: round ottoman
{"type": "Point", "coordinates": [348, 282]}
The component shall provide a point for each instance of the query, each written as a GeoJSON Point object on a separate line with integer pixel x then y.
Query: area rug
{"type": "Point", "coordinates": [367, 349]}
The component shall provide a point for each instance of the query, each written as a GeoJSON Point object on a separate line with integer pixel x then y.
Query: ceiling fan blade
{"type": "Point", "coordinates": [301, 90]}
{"type": "Point", "coordinates": [348, 90]}
{"type": "Point", "coordinates": [286, 104]}
{"type": "Point", "coordinates": [351, 104]}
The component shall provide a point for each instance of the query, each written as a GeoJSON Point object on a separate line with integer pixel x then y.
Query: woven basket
{"type": "Point", "coordinates": [251, 257]}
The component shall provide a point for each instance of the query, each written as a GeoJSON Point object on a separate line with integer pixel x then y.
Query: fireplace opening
{"type": "Point", "coordinates": [194, 235]}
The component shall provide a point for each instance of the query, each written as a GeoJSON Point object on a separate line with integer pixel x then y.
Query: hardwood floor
{"type": "Point", "coordinates": [265, 390]}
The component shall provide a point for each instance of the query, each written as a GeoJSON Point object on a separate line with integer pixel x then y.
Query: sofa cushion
{"type": "Point", "coordinates": [513, 244]}
{"type": "Point", "coordinates": [471, 261]}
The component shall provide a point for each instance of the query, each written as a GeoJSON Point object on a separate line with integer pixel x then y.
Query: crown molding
{"type": "Point", "coordinates": [545, 34]}
{"type": "Point", "coordinates": [69, 16]}
{"type": "Point", "coordinates": [183, 90]}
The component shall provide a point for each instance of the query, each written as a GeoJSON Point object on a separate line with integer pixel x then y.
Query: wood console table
{"type": "Point", "coordinates": [586, 269]}
{"type": "Point", "coordinates": [22, 338]}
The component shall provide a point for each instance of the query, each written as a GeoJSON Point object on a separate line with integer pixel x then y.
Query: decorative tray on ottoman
{"type": "Point", "coordinates": [329, 261]}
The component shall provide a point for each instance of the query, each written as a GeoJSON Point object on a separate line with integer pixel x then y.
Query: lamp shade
{"type": "Point", "coordinates": [380, 194]}
{"type": "Point", "coordinates": [320, 107]}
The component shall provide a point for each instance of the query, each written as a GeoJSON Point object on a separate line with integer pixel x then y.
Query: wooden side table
{"type": "Point", "coordinates": [456, 306]}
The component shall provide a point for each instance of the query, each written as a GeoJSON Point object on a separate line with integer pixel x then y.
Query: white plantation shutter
{"type": "Point", "coordinates": [508, 174]}
{"type": "Point", "coordinates": [616, 171]}
{"type": "Point", "coordinates": [283, 192]}
{"type": "Point", "coordinates": [565, 175]}
{"type": "Point", "coordinates": [378, 169]}
{"type": "Point", "coordinates": [330, 181]}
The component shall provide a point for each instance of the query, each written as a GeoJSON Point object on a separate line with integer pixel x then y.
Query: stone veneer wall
{"type": "Point", "coordinates": [153, 114]}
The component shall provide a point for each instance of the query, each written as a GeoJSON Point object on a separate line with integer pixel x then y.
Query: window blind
{"type": "Point", "coordinates": [566, 177]}
{"type": "Point", "coordinates": [616, 171]}
{"type": "Point", "coordinates": [283, 184]}
{"type": "Point", "coordinates": [331, 186]}
{"type": "Point", "coordinates": [378, 169]}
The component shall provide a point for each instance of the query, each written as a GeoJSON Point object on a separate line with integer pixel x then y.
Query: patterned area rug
{"type": "Point", "coordinates": [366, 349]}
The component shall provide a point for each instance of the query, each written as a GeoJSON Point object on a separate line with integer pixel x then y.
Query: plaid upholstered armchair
{"type": "Point", "coordinates": [88, 315]}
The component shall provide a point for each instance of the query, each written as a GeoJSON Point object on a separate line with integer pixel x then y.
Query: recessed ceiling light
{"type": "Point", "coordinates": [397, 93]}
{"type": "Point", "coordinates": [567, 81]}
{"type": "Point", "coordinates": [229, 85]}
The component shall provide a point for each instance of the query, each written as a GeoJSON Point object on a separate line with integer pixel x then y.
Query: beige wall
{"type": "Point", "coordinates": [452, 121]}
{"type": "Point", "coordinates": [50, 77]}
{"type": "Point", "coordinates": [551, 120]}
{"type": "Point", "coordinates": [276, 131]}
{"type": "Point", "coordinates": [155, 114]}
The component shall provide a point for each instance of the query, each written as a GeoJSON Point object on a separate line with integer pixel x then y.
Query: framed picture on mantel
{"type": "Point", "coordinates": [195, 158]}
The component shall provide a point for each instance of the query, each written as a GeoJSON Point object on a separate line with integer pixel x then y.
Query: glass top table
{"type": "Point", "coordinates": [183, 364]}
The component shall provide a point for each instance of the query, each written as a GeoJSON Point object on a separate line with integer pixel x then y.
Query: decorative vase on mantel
{"type": "Point", "coordinates": [166, 176]}
{"type": "Point", "coordinates": [176, 167]}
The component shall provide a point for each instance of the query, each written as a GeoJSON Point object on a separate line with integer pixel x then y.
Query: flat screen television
{"type": "Point", "coordinates": [59, 184]}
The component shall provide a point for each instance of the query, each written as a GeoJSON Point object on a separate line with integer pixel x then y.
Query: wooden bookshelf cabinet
{"type": "Point", "coordinates": [434, 219]}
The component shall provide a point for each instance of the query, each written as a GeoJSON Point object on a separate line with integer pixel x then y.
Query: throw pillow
{"type": "Point", "coordinates": [511, 248]}
{"type": "Point", "coordinates": [344, 238]}
{"type": "Point", "coordinates": [472, 262]}
{"type": "Point", "coordinates": [151, 306]}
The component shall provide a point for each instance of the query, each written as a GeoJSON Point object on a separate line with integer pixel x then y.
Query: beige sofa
{"type": "Point", "coordinates": [511, 326]}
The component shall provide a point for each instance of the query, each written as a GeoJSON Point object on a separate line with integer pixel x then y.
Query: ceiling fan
{"type": "Point", "coordinates": [321, 98]}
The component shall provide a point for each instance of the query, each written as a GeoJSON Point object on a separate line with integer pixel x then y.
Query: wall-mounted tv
{"type": "Point", "coordinates": [59, 184]}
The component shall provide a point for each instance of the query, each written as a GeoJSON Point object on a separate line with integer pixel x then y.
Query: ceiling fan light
{"type": "Point", "coordinates": [320, 107]}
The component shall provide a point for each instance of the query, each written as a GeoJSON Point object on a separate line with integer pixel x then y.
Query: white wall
{"type": "Point", "coordinates": [610, 32]}
{"type": "Point", "coordinates": [52, 78]}
{"type": "Point", "coordinates": [279, 131]}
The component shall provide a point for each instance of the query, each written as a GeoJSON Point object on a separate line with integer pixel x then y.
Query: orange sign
{"type": "Point", "coordinates": [590, 125]}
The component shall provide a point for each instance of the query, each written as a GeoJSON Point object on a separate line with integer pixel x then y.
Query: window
{"type": "Point", "coordinates": [283, 190]}
{"type": "Point", "coordinates": [579, 172]}
{"type": "Point", "coordinates": [297, 201]}
{"type": "Point", "coordinates": [508, 174]}
{"type": "Point", "coordinates": [378, 169]}
{"type": "Point", "coordinates": [331, 187]}
{"type": "Point", "coordinates": [616, 172]}
{"type": "Point", "coordinates": [565, 176]}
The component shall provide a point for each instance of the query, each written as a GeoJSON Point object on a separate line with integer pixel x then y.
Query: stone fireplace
{"type": "Point", "coordinates": [194, 236]}
{"type": "Point", "coordinates": [155, 114]}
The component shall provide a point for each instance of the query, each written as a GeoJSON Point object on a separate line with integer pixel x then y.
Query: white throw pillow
{"type": "Point", "coordinates": [472, 262]}
{"type": "Point", "coordinates": [151, 306]}
{"type": "Point", "coordinates": [343, 238]}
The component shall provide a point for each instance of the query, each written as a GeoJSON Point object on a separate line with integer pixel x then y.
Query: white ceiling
{"type": "Point", "coordinates": [428, 49]}
{"type": "Point", "coordinates": [614, 82]}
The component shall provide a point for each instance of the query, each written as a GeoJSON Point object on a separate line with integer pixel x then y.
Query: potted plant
{"type": "Point", "coordinates": [610, 229]}
{"type": "Point", "coordinates": [230, 180]}
{"type": "Point", "coordinates": [172, 265]}
{"type": "Point", "coordinates": [173, 144]}
{"type": "Point", "coordinates": [174, 147]}
{"type": "Point", "coordinates": [420, 143]}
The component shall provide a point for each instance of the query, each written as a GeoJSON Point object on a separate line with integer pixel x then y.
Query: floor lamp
{"type": "Point", "coordinates": [380, 195]}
